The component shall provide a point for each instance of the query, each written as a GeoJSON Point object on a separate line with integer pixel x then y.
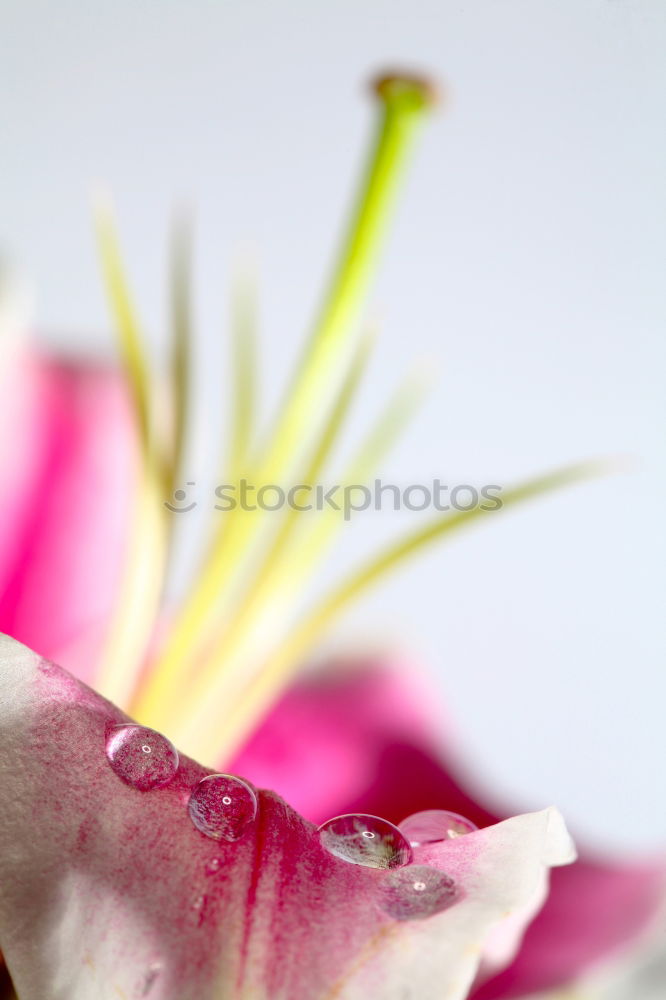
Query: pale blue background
{"type": "Point", "coordinates": [527, 257]}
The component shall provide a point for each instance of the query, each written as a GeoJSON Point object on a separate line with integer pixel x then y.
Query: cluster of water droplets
{"type": "Point", "coordinates": [224, 807]}
{"type": "Point", "coordinates": [407, 891]}
{"type": "Point", "coordinates": [221, 806]}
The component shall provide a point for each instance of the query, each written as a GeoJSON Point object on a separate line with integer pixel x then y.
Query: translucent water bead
{"type": "Point", "coordinates": [365, 840]}
{"type": "Point", "coordinates": [433, 826]}
{"type": "Point", "coordinates": [150, 979]}
{"type": "Point", "coordinates": [223, 807]}
{"type": "Point", "coordinates": [416, 892]}
{"type": "Point", "coordinates": [140, 756]}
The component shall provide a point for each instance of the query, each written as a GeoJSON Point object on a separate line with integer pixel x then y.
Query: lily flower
{"type": "Point", "coordinates": [111, 892]}
{"type": "Point", "coordinates": [129, 871]}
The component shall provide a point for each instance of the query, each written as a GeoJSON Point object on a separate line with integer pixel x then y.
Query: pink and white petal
{"type": "Point", "coordinates": [373, 731]}
{"type": "Point", "coordinates": [594, 914]}
{"type": "Point", "coordinates": [106, 891]}
{"type": "Point", "coordinates": [640, 975]}
{"type": "Point", "coordinates": [68, 441]}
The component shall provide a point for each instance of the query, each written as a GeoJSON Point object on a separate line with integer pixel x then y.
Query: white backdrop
{"type": "Point", "coordinates": [527, 257]}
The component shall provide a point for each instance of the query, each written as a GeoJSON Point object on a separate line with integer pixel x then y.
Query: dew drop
{"type": "Point", "coordinates": [365, 840]}
{"type": "Point", "coordinates": [435, 825]}
{"type": "Point", "coordinates": [417, 891]}
{"type": "Point", "coordinates": [222, 807]}
{"type": "Point", "coordinates": [140, 756]}
{"type": "Point", "coordinates": [213, 866]}
{"type": "Point", "coordinates": [199, 906]}
{"type": "Point", "coordinates": [150, 978]}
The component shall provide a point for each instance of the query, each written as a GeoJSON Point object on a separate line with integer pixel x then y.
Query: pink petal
{"type": "Point", "coordinates": [370, 732]}
{"type": "Point", "coordinates": [68, 439]}
{"type": "Point", "coordinates": [594, 911]}
{"type": "Point", "coordinates": [108, 891]}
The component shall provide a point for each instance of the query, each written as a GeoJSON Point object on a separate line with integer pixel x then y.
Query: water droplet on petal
{"type": "Point", "coordinates": [141, 757]}
{"type": "Point", "coordinates": [417, 891]}
{"type": "Point", "coordinates": [222, 807]}
{"type": "Point", "coordinates": [199, 906]}
{"type": "Point", "coordinates": [213, 866]}
{"type": "Point", "coordinates": [435, 825]}
{"type": "Point", "coordinates": [365, 840]}
{"type": "Point", "coordinates": [150, 978]}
